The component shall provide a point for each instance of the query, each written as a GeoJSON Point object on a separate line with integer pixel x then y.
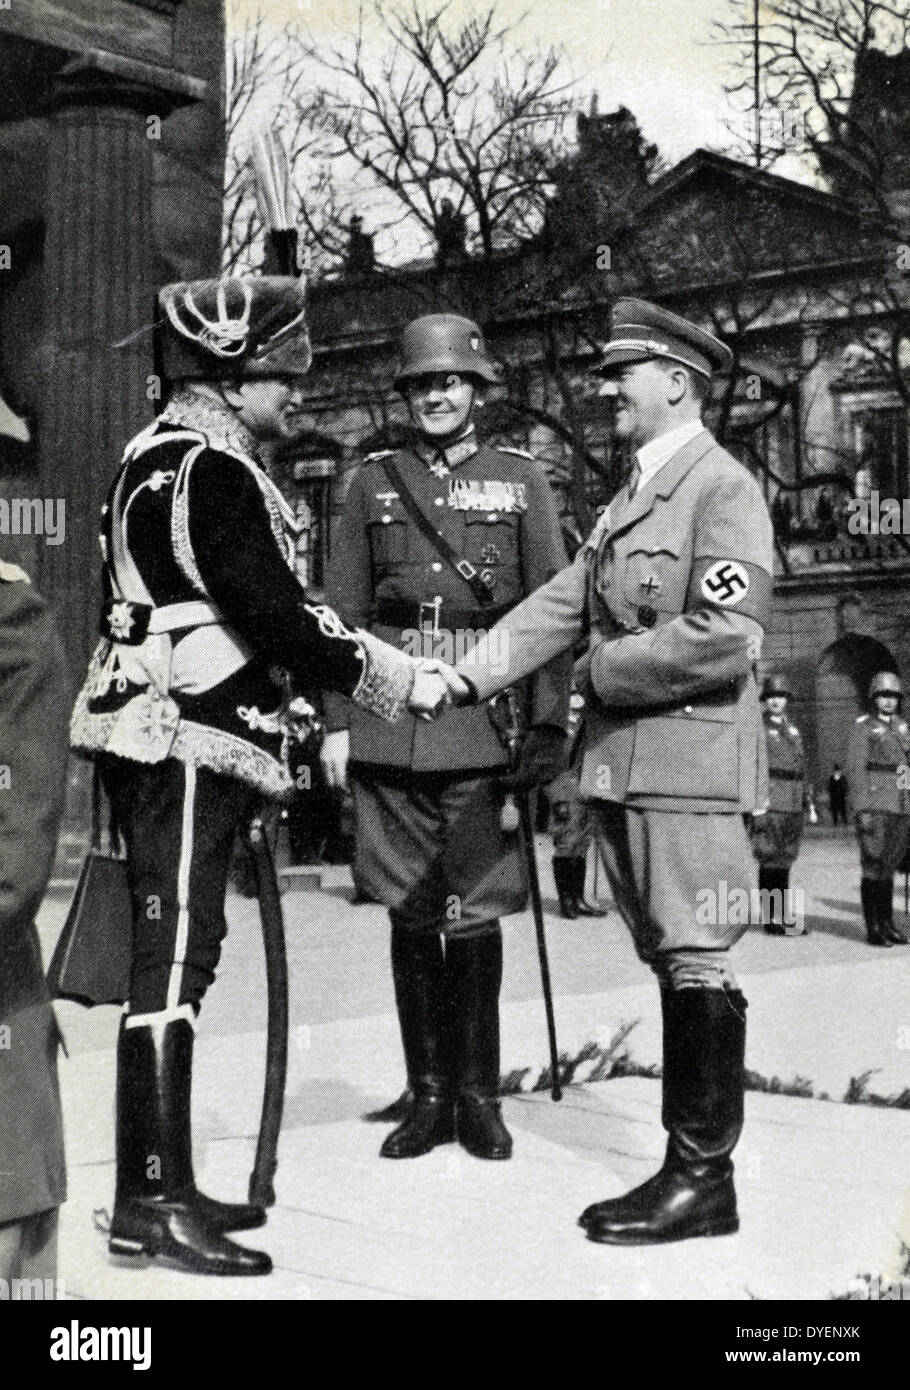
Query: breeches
{"type": "Point", "coordinates": [883, 839]}
{"type": "Point", "coordinates": [179, 824]}
{"type": "Point", "coordinates": [431, 848]}
{"type": "Point", "coordinates": [683, 883]}
{"type": "Point", "coordinates": [776, 838]}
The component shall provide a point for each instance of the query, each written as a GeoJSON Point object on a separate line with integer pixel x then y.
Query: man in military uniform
{"type": "Point", "coordinates": [675, 583]}
{"type": "Point", "coordinates": [206, 638]}
{"type": "Point", "coordinates": [878, 776]}
{"type": "Point", "coordinates": [777, 827]}
{"type": "Point", "coordinates": [435, 543]}
{"type": "Point", "coordinates": [33, 705]}
{"type": "Point", "coordinates": [572, 828]}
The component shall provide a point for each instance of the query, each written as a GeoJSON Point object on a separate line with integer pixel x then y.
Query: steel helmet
{"type": "Point", "coordinates": [239, 327]}
{"type": "Point", "coordinates": [776, 684]}
{"type": "Point", "coordinates": [444, 343]}
{"type": "Point", "coordinates": [885, 683]}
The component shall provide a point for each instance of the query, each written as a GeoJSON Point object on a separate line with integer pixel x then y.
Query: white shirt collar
{"type": "Point", "coordinates": [652, 457]}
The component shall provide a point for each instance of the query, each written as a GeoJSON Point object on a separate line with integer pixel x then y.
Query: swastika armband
{"type": "Point", "coordinates": [730, 584]}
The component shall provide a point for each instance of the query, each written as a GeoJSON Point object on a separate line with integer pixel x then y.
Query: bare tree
{"type": "Point", "coordinates": [425, 110]}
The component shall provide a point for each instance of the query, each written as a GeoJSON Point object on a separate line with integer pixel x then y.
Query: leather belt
{"type": "Point", "coordinates": [437, 618]}
{"type": "Point", "coordinates": [883, 767]}
{"type": "Point", "coordinates": [785, 774]}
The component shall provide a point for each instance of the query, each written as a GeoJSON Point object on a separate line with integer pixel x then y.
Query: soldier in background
{"type": "Point", "coordinates": [572, 829]}
{"type": "Point", "coordinates": [878, 776]}
{"type": "Point", "coordinates": [33, 705]}
{"type": "Point", "coordinates": [430, 843]}
{"type": "Point", "coordinates": [777, 828]}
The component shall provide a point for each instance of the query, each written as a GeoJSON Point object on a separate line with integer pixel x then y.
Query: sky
{"type": "Point", "coordinates": [654, 56]}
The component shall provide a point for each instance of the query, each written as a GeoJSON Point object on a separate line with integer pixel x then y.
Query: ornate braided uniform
{"type": "Point", "coordinates": [206, 637]}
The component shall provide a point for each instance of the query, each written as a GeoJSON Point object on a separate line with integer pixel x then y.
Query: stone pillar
{"type": "Point", "coordinates": [99, 276]}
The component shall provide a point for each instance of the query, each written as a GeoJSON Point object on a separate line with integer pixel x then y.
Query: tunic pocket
{"type": "Point", "coordinates": [491, 544]}
{"type": "Point", "coordinates": [388, 542]}
{"type": "Point", "coordinates": [692, 757]}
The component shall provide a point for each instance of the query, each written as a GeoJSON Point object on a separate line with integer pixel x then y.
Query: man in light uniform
{"type": "Point", "coordinates": [777, 828]}
{"type": "Point", "coordinates": [675, 582]}
{"type": "Point", "coordinates": [878, 777]}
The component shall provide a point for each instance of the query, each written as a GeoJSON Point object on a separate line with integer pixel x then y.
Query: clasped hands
{"type": "Point", "coordinates": [436, 686]}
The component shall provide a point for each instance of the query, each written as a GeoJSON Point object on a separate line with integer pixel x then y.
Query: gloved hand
{"type": "Point", "coordinates": [542, 757]}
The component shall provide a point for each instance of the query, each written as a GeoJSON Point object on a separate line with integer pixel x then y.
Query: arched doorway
{"type": "Point", "coordinates": [844, 672]}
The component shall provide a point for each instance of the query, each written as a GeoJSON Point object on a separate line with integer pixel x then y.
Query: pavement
{"type": "Point", "coordinates": [822, 1182]}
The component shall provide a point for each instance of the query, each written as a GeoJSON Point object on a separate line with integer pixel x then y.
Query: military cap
{"type": "Point", "coordinates": [640, 331]}
{"type": "Point", "coordinates": [242, 327]}
{"type": "Point", "coordinates": [776, 684]}
{"type": "Point", "coordinates": [885, 683]}
{"type": "Point", "coordinates": [444, 343]}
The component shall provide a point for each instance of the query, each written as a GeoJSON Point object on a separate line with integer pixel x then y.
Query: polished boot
{"type": "Point", "coordinates": [564, 880]}
{"type": "Point", "coordinates": [394, 1113]}
{"type": "Point", "coordinates": [693, 1193]}
{"type": "Point", "coordinates": [158, 1210]}
{"type": "Point", "coordinates": [579, 873]}
{"type": "Point", "coordinates": [419, 975]}
{"type": "Point", "coordinates": [474, 972]}
{"type": "Point", "coordinates": [892, 934]}
{"type": "Point", "coordinates": [869, 892]}
{"type": "Point", "coordinates": [767, 883]}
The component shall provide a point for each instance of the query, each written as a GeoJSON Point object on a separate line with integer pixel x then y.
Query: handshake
{"type": "Point", "coordinates": [436, 686]}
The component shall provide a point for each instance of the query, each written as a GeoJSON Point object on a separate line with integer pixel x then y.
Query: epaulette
{"type": "Point", "coordinates": [521, 453]}
{"type": "Point", "coordinates": [379, 454]}
{"type": "Point", "coordinates": [12, 574]}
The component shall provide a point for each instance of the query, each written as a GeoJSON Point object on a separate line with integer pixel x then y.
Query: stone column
{"type": "Point", "coordinates": [99, 276]}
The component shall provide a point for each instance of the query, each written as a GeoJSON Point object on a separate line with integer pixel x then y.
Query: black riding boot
{"type": "Point", "coordinates": [157, 1209]}
{"type": "Point", "coordinates": [889, 931]}
{"type": "Point", "coordinates": [870, 897]}
{"type": "Point", "coordinates": [768, 883]}
{"type": "Point", "coordinates": [474, 972]}
{"type": "Point", "coordinates": [579, 871]}
{"type": "Point", "coordinates": [693, 1194]}
{"type": "Point", "coordinates": [565, 886]}
{"type": "Point", "coordinates": [419, 974]}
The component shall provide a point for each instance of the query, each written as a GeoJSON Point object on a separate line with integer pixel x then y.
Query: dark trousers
{"type": "Point", "coordinates": [179, 824]}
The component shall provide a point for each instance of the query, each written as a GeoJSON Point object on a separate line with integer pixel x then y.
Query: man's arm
{"type": "Point", "coordinates": [245, 574]}
{"type": "Point", "coordinates": [543, 555]}
{"type": "Point", "coordinates": [538, 629]}
{"type": "Point", "coordinates": [710, 644]}
{"type": "Point", "coordinates": [349, 583]}
{"type": "Point", "coordinates": [34, 705]}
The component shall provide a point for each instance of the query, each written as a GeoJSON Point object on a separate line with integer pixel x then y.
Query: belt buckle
{"type": "Point", "coordinates": [429, 616]}
{"type": "Point", "coordinates": [466, 569]}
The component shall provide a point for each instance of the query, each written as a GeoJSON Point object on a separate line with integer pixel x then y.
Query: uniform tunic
{"type": "Point", "coordinates": [776, 834]}
{"type": "Point", "coordinates": [878, 775]}
{"type": "Point", "coordinates": [207, 635]}
{"type": "Point", "coordinates": [429, 842]}
{"type": "Point", "coordinates": [34, 699]}
{"type": "Point", "coordinates": [675, 582]}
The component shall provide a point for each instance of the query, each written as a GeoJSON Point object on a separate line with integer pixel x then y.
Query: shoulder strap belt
{"type": "Point", "coordinates": [481, 590]}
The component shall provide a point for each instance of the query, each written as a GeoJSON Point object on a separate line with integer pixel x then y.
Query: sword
{"type": "Point", "coordinates": [505, 716]}
{"type": "Point", "coordinates": [262, 1178]}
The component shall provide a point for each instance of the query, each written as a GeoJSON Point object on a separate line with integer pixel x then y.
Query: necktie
{"type": "Point", "coordinates": [634, 478]}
